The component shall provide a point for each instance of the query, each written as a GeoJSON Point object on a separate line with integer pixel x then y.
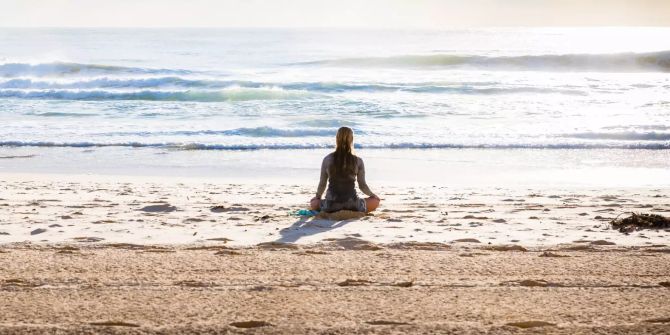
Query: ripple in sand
{"type": "Point", "coordinates": [404, 284]}
{"type": "Point", "coordinates": [18, 282]}
{"type": "Point", "coordinates": [351, 243]}
{"type": "Point", "coordinates": [220, 239]}
{"type": "Point", "coordinates": [467, 240]}
{"type": "Point", "coordinates": [658, 320]}
{"type": "Point", "coordinates": [511, 247]}
{"type": "Point", "coordinates": [250, 324]}
{"type": "Point", "coordinates": [530, 324]}
{"type": "Point", "coordinates": [536, 283]}
{"type": "Point", "coordinates": [194, 283]}
{"type": "Point", "coordinates": [419, 246]}
{"type": "Point", "coordinates": [114, 324]}
{"type": "Point", "coordinates": [276, 245]}
{"type": "Point", "coordinates": [88, 239]}
{"type": "Point", "coordinates": [551, 254]}
{"type": "Point", "coordinates": [386, 323]}
{"type": "Point", "coordinates": [311, 252]}
{"type": "Point", "coordinates": [354, 282]}
{"type": "Point", "coordinates": [602, 242]}
{"type": "Point", "coordinates": [227, 253]}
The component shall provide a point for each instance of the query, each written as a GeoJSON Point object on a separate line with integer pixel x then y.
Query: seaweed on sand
{"type": "Point", "coordinates": [640, 221]}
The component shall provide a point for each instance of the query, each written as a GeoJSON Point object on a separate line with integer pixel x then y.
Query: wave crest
{"type": "Point", "coordinates": [233, 94]}
{"type": "Point", "coordinates": [247, 132]}
{"type": "Point", "coordinates": [618, 62]}
{"type": "Point", "coordinates": [621, 136]}
{"type": "Point", "coordinates": [64, 69]}
{"type": "Point", "coordinates": [12, 87]}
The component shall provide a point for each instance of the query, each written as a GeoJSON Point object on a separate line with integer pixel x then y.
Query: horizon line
{"type": "Point", "coordinates": [338, 27]}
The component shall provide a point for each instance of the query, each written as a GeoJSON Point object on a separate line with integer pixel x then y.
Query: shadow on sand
{"type": "Point", "coordinates": [307, 226]}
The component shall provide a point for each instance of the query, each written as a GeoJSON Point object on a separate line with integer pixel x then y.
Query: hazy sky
{"type": "Point", "coordinates": [433, 14]}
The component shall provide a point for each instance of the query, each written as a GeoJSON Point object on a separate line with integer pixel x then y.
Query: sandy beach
{"type": "Point", "coordinates": [92, 254]}
{"type": "Point", "coordinates": [339, 287]}
{"type": "Point", "coordinates": [157, 161]}
{"type": "Point", "coordinates": [144, 210]}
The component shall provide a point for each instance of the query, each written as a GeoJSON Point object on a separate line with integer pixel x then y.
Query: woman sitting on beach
{"type": "Point", "coordinates": [341, 169]}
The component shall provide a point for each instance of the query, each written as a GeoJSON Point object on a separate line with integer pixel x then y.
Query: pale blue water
{"type": "Point", "coordinates": [275, 89]}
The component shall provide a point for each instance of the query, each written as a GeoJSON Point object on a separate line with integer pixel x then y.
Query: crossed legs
{"type": "Point", "coordinates": [370, 203]}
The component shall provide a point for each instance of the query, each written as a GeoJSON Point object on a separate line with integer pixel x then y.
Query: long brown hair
{"type": "Point", "coordinates": [345, 161]}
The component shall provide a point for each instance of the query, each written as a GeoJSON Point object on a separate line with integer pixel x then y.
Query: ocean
{"type": "Point", "coordinates": [185, 96]}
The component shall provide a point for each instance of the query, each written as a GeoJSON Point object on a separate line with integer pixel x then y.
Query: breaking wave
{"type": "Point", "coordinates": [621, 136]}
{"type": "Point", "coordinates": [618, 62]}
{"type": "Point", "coordinates": [176, 89]}
{"type": "Point", "coordinates": [248, 132]}
{"type": "Point", "coordinates": [64, 69]}
{"type": "Point", "coordinates": [233, 94]}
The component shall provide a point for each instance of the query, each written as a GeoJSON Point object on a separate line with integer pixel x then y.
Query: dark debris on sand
{"type": "Point", "coordinates": [640, 221]}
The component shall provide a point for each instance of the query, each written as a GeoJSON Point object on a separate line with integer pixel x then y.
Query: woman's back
{"type": "Point", "coordinates": [339, 171]}
{"type": "Point", "coordinates": [341, 182]}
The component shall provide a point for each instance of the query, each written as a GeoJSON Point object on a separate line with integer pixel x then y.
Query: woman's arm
{"type": "Point", "coordinates": [361, 179]}
{"type": "Point", "coordinates": [323, 180]}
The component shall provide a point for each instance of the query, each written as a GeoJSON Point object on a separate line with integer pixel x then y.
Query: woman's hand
{"type": "Point", "coordinates": [315, 203]}
{"type": "Point", "coordinates": [374, 196]}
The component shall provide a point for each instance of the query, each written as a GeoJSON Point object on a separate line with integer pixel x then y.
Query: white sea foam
{"type": "Point", "coordinates": [230, 94]}
{"type": "Point", "coordinates": [623, 136]}
{"type": "Point", "coordinates": [53, 89]}
{"type": "Point", "coordinates": [285, 146]}
{"type": "Point", "coordinates": [423, 90]}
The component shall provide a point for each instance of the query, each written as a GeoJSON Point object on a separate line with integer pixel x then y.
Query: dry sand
{"type": "Point", "coordinates": [93, 255]}
{"type": "Point", "coordinates": [55, 209]}
{"type": "Point", "coordinates": [326, 290]}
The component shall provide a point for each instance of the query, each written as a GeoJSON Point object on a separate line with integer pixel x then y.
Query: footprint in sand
{"type": "Point", "coordinates": [467, 240]}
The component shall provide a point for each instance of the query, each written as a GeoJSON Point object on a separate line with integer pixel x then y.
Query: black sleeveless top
{"type": "Point", "coordinates": [342, 187]}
